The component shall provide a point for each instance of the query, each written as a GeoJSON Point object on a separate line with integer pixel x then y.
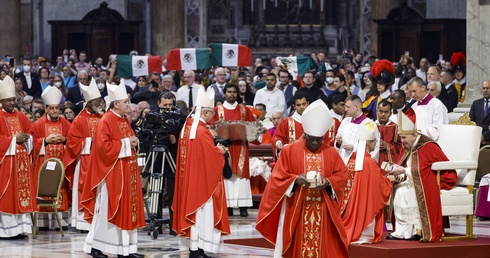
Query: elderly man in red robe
{"type": "Point", "coordinates": [390, 145]}
{"type": "Point", "coordinates": [299, 212]}
{"type": "Point", "coordinates": [200, 214]}
{"type": "Point", "coordinates": [238, 190]}
{"type": "Point", "coordinates": [17, 195]}
{"type": "Point", "coordinates": [78, 149]}
{"type": "Point", "coordinates": [417, 201]}
{"type": "Point", "coordinates": [112, 195]}
{"type": "Point", "coordinates": [50, 133]}
{"type": "Point", "coordinates": [366, 193]}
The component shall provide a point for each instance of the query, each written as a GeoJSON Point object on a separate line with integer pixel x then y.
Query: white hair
{"type": "Point", "coordinates": [438, 85]}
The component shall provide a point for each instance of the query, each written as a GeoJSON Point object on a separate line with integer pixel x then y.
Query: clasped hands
{"type": "Point", "coordinates": [21, 137]}
{"type": "Point", "coordinates": [55, 138]}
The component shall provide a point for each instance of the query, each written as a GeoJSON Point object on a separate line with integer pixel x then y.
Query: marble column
{"type": "Point", "coordinates": [195, 23]}
{"type": "Point", "coordinates": [167, 26]}
{"type": "Point", "coordinates": [10, 37]}
{"type": "Point", "coordinates": [477, 48]}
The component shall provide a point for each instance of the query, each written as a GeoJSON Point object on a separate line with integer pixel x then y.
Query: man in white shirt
{"type": "Point", "coordinates": [422, 71]}
{"type": "Point", "coordinates": [190, 86]}
{"type": "Point", "coordinates": [346, 141]}
{"type": "Point", "coordinates": [430, 112]}
{"type": "Point", "coordinates": [272, 97]}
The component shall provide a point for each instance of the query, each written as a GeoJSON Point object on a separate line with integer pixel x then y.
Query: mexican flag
{"type": "Point", "coordinates": [129, 66]}
{"type": "Point", "coordinates": [230, 54]}
{"type": "Point", "coordinates": [188, 59]}
{"type": "Point", "coordinates": [296, 65]}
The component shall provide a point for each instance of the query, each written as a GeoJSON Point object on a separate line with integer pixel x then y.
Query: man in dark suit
{"type": "Point", "coordinates": [30, 81]}
{"type": "Point", "coordinates": [74, 94]}
{"type": "Point", "coordinates": [219, 85]}
{"type": "Point", "coordinates": [452, 95]}
{"type": "Point", "coordinates": [480, 112]}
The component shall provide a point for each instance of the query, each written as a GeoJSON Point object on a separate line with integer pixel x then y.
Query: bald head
{"type": "Point", "coordinates": [486, 89]}
{"type": "Point", "coordinates": [277, 118]}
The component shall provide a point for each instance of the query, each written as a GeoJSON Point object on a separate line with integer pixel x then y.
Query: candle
{"type": "Point", "coordinates": [252, 3]}
{"type": "Point", "coordinates": [321, 5]}
{"type": "Point", "coordinates": [311, 4]}
{"type": "Point", "coordinates": [275, 2]}
{"type": "Point", "coordinates": [299, 3]}
{"type": "Point", "coordinates": [264, 1]}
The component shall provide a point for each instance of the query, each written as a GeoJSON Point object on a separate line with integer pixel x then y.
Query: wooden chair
{"type": "Point", "coordinates": [461, 144]}
{"type": "Point", "coordinates": [51, 176]}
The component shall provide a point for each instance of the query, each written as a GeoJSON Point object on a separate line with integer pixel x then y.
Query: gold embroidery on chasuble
{"type": "Point", "coordinates": [54, 150]}
{"type": "Point", "coordinates": [126, 132]}
{"type": "Point", "coordinates": [181, 169]}
{"type": "Point", "coordinates": [292, 134]}
{"type": "Point", "coordinates": [312, 212]}
{"type": "Point", "coordinates": [92, 124]}
{"type": "Point", "coordinates": [22, 166]}
{"type": "Point", "coordinates": [419, 192]}
{"type": "Point", "coordinates": [350, 182]}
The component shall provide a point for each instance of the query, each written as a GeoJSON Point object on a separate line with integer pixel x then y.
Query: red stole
{"type": "Point", "coordinates": [121, 175]}
{"type": "Point", "coordinates": [312, 223]}
{"type": "Point", "coordinates": [365, 196]}
{"type": "Point", "coordinates": [198, 177]}
{"type": "Point", "coordinates": [17, 194]}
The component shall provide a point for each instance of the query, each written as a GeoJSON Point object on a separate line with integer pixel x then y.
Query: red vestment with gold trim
{"type": "Point", "coordinates": [198, 177]}
{"type": "Point", "coordinates": [312, 223]}
{"type": "Point", "coordinates": [122, 175]}
{"type": "Point", "coordinates": [17, 190]}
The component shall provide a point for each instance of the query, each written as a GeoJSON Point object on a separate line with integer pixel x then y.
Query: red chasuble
{"type": "Point", "coordinates": [17, 193]}
{"type": "Point", "coordinates": [365, 196]}
{"type": "Point", "coordinates": [312, 223]}
{"type": "Point", "coordinates": [198, 177]}
{"type": "Point", "coordinates": [83, 126]}
{"type": "Point", "coordinates": [389, 134]}
{"type": "Point", "coordinates": [42, 128]}
{"type": "Point", "coordinates": [424, 154]}
{"type": "Point", "coordinates": [239, 154]}
{"type": "Point", "coordinates": [122, 175]}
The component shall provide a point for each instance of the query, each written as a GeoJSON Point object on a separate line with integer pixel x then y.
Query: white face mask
{"type": "Point", "coordinates": [329, 80]}
{"type": "Point", "coordinates": [26, 68]}
{"type": "Point", "coordinates": [57, 84]}
{"type": "Point", "coordinates": [101, 86]}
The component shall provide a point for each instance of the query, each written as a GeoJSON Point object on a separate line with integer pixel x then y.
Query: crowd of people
{"type": "Point", "coordinates": [344, 136]}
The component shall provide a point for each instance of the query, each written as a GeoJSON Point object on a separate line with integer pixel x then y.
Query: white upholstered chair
{"type": "Point", "coordinates": [461, 144]}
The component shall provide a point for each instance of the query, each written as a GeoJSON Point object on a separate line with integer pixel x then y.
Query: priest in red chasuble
{"type": "Point", "coordinates": [17, 195]}
{"type": "Point", "coordinates": [50, 133]}
{"type": "Point", "coordinates": [366, 193]}
{"type": "Point", "coordinates": [238, 191]}
{"type": "Point", "coordinates": [112, 195]}
{"type": "Point", "coordinates": [200, 214]}
{"type": "Point", "coordinates": [390, 145]}
{"type": "Point", "coordinates": [417, 202]}
{"type": "Point", "coordinates": [78, 149]}
{"type": "Point", "coordinates": [300, 208]}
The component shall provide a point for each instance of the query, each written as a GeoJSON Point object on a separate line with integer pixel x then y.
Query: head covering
{"type": "Point", "coordinates": [383, 71]}
{"type": "Point", "coordinates": [117, 92]}
{"type": "Point", "coordinates": [204, 99]}
{"type": "Point", "coordinates": [458, 61]}
{"type": "Point", "coordinates": [51, 96]}
{"type": "Point", "coordinates": [91, 91]}
{"type": "Point", "coordinates": [406, 126]}
{"type": "Point", "coordinates": [365, 132]}
{"type": "Point", "coordinates": [316, 119]}
{"type": "Point", "coordinates": [7, 88]}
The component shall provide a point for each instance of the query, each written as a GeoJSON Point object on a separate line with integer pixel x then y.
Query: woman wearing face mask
{"type": "Point", "coordinates": [101, 86]}
{"type": "Point", "coordinates": [60, 84]}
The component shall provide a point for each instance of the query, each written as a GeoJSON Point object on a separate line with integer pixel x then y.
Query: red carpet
{"type": "Point", "coordinates": [479, 248]}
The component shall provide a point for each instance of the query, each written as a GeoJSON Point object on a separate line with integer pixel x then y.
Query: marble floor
{"type": "Point", "coordinates": [50, 244]}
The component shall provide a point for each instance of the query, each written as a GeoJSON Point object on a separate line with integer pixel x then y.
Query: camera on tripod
{"type": "Point", "coordinates": [160, 125]}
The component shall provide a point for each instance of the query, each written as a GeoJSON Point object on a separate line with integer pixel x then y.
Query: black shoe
{"type": "Point", "coordinates": [43, 229]}
{"type": "Point", "coordinates": [230, 211]}
{"type": "Point", "coordinates": [83, 231]}
{"type": "Point", "coordinates": [415, 238]}
{"type": "Point", "coordinates": [133, 255]}
{"type": "Point", "coordinates": [198, 254]}
{"type": "Point", "coordinates": [391, 237]}
{"type": "Point", "coordinates": [484, 218]}
{"type": "Point", "coordinates": [95, 253]}
{"type": "Point", "coordinates": [243, 212]}
{"type": "Point", "coordinates": [17, 237]}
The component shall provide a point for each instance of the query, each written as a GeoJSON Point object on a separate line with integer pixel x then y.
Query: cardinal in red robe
{"type": "Point", "coordinates": [300, 214]}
